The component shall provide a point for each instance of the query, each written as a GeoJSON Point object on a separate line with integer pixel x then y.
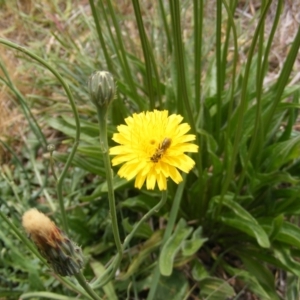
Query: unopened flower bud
{"type": "Point", "coordinates": [101, 88]}
{"type": "Point", "coordinates": [61, 253]}
{"type": "Point", "coordinates": [50, 148]}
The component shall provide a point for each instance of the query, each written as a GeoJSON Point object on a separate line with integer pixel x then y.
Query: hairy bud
{"type": "Point", "coordinates": [101, 88]}
{"type": "Point", "coordinates": [61, 253]}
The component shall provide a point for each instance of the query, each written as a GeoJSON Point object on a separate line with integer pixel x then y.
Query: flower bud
{"type": "Point", "coordinates": [61, 253]}
{"type": "Point", "coordinates": [101, 88]}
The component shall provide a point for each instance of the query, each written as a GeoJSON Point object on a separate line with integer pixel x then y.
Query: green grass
{"type": "Point", "coordinates": [230, 227]}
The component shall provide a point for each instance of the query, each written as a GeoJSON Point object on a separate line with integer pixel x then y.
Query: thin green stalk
{"type": "Point", "coordinates": [241, 109]}
{"type": "Point", "coordinates": [119, 54]}
{"type": "Point", "coordinates": [235, 59]}
{"type": "Point", "coordinates": [153, 210]}
{"type": "Point", "coordinates": [76, 117]}
{"type": "Point", "coordinates": [283, 79]}
{"type": "Point", "coordinates": [113, 267]}
{"type": "Point", "coordinates": [219, 68]}
{"type": "Point", "coordinates": [182, 96]}
{"type": "Point", "coordinates": [109, 178]}
{"type": "Point", "coordinates": [127, 70]}
{"type": "Point", "coordinates": [27, 112]}
{"type": "Point", "coordinates": [165, 23]}
{"type": "Point", "coordinates": [21, 236]}
{"type": "Point", "coordinates": [145, 47]}
{"type": "Point", "coordinates": [167, 234]}
{"type": "Point", "coordinates": [198, 32]}
{"type": "Point", "coordinates": [16, 158]}
{"type": "Point", "coordinates": [82, 281]}
{"type": "Point", "coordinates": [227, 156]}
{"type": "Point", "coordinates": [257, 137]}
{"type": "Point", "coordinates": [32, 123]}
{"type": "Point", "coordinates": [101, 39]}
{"type": "Point", "coordinates": [199, 102]}
{"type": "Point", "coordinates": [7, 176]}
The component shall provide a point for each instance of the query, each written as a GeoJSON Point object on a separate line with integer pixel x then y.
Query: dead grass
{"type": "Point", "coordinates": [30, 23]}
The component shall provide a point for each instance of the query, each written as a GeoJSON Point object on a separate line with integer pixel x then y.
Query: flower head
{"type": "Point", "coordinates": [152, 148]}
{"type": "Point", "coordinates": [64, 256]}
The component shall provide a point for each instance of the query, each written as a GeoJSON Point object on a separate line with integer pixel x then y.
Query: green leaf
{"type": "Point", "coordinates": [243, 221]}
{"type": "Point", "coordinates": [190, 247]}
{"type": "Point", "coordinates": [249, 228]}
{"type": "Point", "coordinates": [292, 287]}
{"type": "Point", "coordinates": [109, 290]}
{"type": "Point", "coordinates": [280, 153]}
{"type": "Point", "coordinates": [144, 230]}
{"type": "Point", "coordinates": [276, 226]}
{"type": "Point", "coordinates": [144, 252]}
{"type": "Point", "coordinates": [172, 246]}
{"type": "Point", "coordinates": [215, 289]}
{"type": "Point", "coordinates": [288, 233]}
{"type": "Point", "coordinates": [140, 202]}
{"type": "Point", "coordinates": [199, 271]}
{"type": "Point", "coordinates": [173, 287]}
{"type": "Point", "coordinates": [285, 257]}
{"type": "Point", "coordinates": [47, 295]}
{"type": "Point", "coordinates": [251, 282]}
{"type": "Point", "coordinates": [262, 274]}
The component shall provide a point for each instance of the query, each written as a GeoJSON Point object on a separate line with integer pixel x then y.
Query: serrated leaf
{"type": "Point", "coordinates": [172, 246]}
{"type": "Point", "coordinates": [190, 247]}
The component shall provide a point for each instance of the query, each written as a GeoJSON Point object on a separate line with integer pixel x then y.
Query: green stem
{"type": "Point", "coordinates": [121, 49]}
{"type": "Point", "coordinates": [153, 210]}
{"type": "Point", "coordinates": [109, 178]}
{"type": "Point", "coordinates": [241, 111]}
{"type": "Point", "coordinates": [146, 50]}
{"type": "Point", "coordinates": [76, 117]}
{"type": "Point", "coordinates": [167, 234]}
{"type": "Point", "coordinates": [183, 103]}
{"type": "Point", "coordinates": [82, 281]}
{"type": "Point", "coordinates": [219, 69]}
{"type": "Point", "coordinates": [113, 267]}
{"type": "Point", "coordinates": [101, 38]}
{"type": "Point", "coordinates": [165, 25]}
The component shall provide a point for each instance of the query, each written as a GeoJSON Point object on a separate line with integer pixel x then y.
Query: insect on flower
{"type": "Point", "coordinates": [166, 143]}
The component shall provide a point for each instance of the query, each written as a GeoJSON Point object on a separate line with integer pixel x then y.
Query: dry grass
{"type": "Point", "coordinates": [31, 23]}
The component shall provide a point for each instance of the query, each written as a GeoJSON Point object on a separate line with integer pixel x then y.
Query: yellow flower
{"type": "Point", "coordinates": [152, 147]}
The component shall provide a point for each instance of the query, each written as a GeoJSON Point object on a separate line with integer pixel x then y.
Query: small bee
{"type": "Point", "coordinates": [166, 143]}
